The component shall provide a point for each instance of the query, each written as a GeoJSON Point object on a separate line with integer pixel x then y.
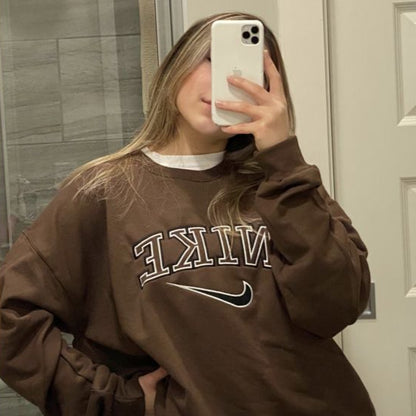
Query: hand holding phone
{"type": "Point", "coordinates": [236, 49]}
{"type": "Point", "coordinates": [241, 105]}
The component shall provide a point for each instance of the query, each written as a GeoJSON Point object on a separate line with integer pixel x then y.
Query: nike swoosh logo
{"type": "Point", "coordinates": [240, 300]}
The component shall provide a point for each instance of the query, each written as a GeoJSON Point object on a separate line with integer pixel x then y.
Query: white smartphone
{"type": "Point", "coordinates": [236, 49]}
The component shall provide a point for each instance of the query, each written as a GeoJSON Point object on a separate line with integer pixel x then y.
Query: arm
{"type": "Point", "coordinates": [325, 278]}
{"type": "Point", "coordinates": [42, 291]}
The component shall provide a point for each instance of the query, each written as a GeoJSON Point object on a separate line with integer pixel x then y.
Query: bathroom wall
{"type": "Point", "coordinates": [71, 91]}
{"type": "Point", "coordinates": [4, 236]}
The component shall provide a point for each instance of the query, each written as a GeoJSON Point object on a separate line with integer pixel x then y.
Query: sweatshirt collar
{"type": "Point", "coordinates": [198, 168]}
{"type": "Point", "coordinates": [190, 162]}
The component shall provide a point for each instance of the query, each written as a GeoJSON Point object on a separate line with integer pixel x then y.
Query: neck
{"type": "Point", "coordinates": [190, 142]}
{"type": "Point", "coordinates": [189, 148]}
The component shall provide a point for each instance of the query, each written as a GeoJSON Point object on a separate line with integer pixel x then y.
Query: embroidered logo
{"type": "Point", "coordinates": [200, 246]}
{"type": "Point", "coordinates": [240, 300]}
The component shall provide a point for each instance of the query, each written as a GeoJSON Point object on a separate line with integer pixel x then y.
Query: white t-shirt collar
{"type": "Point", "coordinates": [190, 162]}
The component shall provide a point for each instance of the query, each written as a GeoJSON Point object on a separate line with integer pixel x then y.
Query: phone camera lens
{"type": "Point", "coordinates": [255, 40]}
{"type": "Point", "coordinates": [246, 35]}
{"type": "Point", "coordinates": [255, 29]}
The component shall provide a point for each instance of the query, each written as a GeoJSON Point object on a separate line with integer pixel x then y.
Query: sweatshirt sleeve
{"type": "Point", "coordinates": [42, 290]}
{"type": "Point", "coordinates": [325, 279]}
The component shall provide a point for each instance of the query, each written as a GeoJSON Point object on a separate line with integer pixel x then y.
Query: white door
{"type": "Point", "coordinates": [373, 77]}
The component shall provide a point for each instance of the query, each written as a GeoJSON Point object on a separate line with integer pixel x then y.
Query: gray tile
{"type": "Point", "coordinates": [34, 171]}
{"type": "Point", "coordinates": [31, 19]}
{"type": "Point", "coordinates": [4, 236]}
{"type": "Point", "coordinates": [83, 95]}
{"type": "Point", "coordinates": [27, 54]}
{"type": "Point", "coordinates": [101, 87]}
{"type": "Point", "coordinates": [90, 60]}
{"type": "Point", "coordinates": [5, 21]}
{"type": "Point", "coordinates": [33, 123]}
{"type": "Point", "coordinates": [124, 110]}
{"type": "Point", "coordinates": [31, 92]}
{"type": "Point", "coordinates": [118, 17]}
{"type": "Point", "coordinates": [131, 105]}
{"type": "Point", "coordinates": [11, 404]}
{"type": "Point", "coordinates": [121, 57]}
{"type": "Point", "coordinates": [42, 162]}
{"type": "Point", "coordinates": [80, 61]}
{"type": "Point", "coordinates": [113, 110]}
{"type": "Point", "coordinates": [84, 112]}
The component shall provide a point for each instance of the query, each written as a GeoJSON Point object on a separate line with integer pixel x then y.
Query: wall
{"type": "Point", "coordinates": [71, 90]}
{"type": "Point", "coordinates": [196, 9]}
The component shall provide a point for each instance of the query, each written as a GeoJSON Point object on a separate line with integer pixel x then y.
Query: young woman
{"type": "Point", "coordinates": [202, 270]}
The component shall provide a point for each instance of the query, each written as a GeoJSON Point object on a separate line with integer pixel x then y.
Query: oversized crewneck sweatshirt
{"type": "Point", "coordinates": [241, 329]}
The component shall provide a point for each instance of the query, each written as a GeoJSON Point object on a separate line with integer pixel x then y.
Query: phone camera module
{"type": "Point", "coordinates": [250, 34]}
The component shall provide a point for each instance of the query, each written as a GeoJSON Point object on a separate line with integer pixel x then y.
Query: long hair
{"type": "Point", "coordinates": [113, 172]}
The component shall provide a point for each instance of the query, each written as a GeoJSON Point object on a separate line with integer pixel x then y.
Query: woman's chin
{"type": "Point", "coordinates": [203, 127]}
{"type": "Point", "coordinates": [212, 130]}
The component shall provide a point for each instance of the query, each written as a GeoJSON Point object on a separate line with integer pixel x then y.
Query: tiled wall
{"type": "Point", "coordinates": [4, 235]}
{"type": "Point", "coordinates": [71, 88]}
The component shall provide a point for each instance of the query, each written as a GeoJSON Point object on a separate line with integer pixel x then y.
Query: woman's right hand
{"type": "Point", "coordinates": [148, 384]}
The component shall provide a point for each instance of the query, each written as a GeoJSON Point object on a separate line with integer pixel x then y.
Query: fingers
{"type": "Point", "coordinates": [256, 91]}
{"type": "Point", "coordinates": [269, 110]}
{"type": "Point", "coordinates": [148, 383]}
{"type": "Point", "coordinates": [158, 374]}
{"type": "Point", "coordinates": [239, 107]}
{"type": "Point", "coordinates": [242, 128]}
{"type": "Point", "coordinates": [151, 379]}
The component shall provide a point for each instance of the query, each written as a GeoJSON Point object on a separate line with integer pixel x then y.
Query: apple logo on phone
{"type": "Point", "coordinates": [237, 72]}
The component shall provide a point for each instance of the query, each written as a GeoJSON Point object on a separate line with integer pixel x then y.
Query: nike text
{"type": "Point", "coordinates": [196, 248]}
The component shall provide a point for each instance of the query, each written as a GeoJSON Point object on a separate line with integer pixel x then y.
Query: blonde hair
{"type": "Point", "coordinates": [112, 173]}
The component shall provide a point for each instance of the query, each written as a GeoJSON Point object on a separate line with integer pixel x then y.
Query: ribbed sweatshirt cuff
{"type": "Point", "coordinates": [281, 159]}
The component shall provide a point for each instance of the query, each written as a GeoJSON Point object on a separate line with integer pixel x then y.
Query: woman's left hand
{"type": "Point", "coordinates": [269, 115]}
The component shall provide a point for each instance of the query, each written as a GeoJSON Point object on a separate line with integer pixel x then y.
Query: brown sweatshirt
{"type": "Point", "coordinates": [241, 331]}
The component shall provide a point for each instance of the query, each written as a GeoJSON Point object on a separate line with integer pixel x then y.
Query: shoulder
{"type": "Point", "coordinates": [71, 212]}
